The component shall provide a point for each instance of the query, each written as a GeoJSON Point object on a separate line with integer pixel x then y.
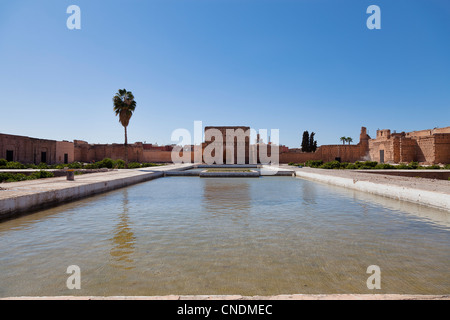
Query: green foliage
{"type": "Point", "coordinates": [351, 166]}
{"type": "Point", "coordinates": [384, 166]}
{"type": "Point", "coordinates": [435, 166]}
{"type": "Point", "coordinates": [331, 165]}
{"type": "Point", "coordinates": [414, 165]}
{"type": "Point", "coordinates": [3, 162]}
{"type": "Point", "coordinates": [119, 164]}
{"type": "Point", "coordinates": [105, 163]}
{"type": "Point", "coordinates": [42, 165]}
{"type": "Point", "coordinates": [370, 164]}
{"type": "Point", "coordinates": [17, 177]}
{"type": "Point", "coordinates": [41, 174]}
{"type": "Point", "coordinates": [91, 166]}
{"type": "Point", "coordinates": [150, 164]}
{"type": "Point", "coordinates": [134, 165]}
{"type": "Point", "coordinates": [4, 176]}
{"type": "Point", "coordinates": [447, 166]}
{"type": "Point", "coordinates": [14, 177]}
{"type": "Point", "coordinates": [313, 163]}
{"type": "Point", "coordinates": [309, 144]}
{"type": "Point", "coordinates": [14, 165]}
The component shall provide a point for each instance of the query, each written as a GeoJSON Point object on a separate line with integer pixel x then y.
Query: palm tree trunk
{"type": "Point", "coordinates": [126, 149]}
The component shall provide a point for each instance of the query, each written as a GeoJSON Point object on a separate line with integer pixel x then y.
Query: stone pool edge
{"type": "Point", "coordinates": [429, 198]}
{"type": "Point", "coordinates": [239, 297]}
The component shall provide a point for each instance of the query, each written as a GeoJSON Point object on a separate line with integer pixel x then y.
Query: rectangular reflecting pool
{"type": "Point", "coordinates": [263, 236]}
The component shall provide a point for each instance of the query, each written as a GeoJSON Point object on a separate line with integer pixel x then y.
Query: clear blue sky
{"type": "Point", "coordinates": [288, 65]}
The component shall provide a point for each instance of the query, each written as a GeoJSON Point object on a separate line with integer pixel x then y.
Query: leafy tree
{"type": "Point", "coordinates": [308, 142]}
{"type": "Point", "coordinates": [312, 143]}
{"type": "Point", "coordinates": [344, 140]}
{"type": "Point", "coordinates": [124, 106]}
{"type": "Point", "coordinates": [305, 141]}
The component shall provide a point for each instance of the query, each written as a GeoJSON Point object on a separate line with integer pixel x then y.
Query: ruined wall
{"type": "Point", "coordinates": [442, 148]}
{"type": "Point", "coordinates": [27, 150]}
{"type": "Point", "coordinates": [425, 149]}
{"type": "Point", "coordinates": [64, 148]}
{"type": "Point", "coordinates": [424, 146]}
{"type": "Point", "coordinates": [347, 153]}
{"type": "Point", "coordinates": [428, 132]}
{"type": "Point", "coordinates": [85, 152]}
{"type": "Point", "coordinates": [408, 150]}
{"type": "Point", "coordinates": [326, 153]}
{"type": "Point", "coordinates": [157, 156]}
{"type": "Point", "coordinates": [300, 157]}
{"type": "Point", "coordinates": [375, 146]}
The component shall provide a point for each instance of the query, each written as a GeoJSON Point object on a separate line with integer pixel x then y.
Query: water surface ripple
{"type": "Point", "coordinates": [263, 236]}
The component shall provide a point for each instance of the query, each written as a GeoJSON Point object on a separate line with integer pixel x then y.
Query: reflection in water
{"type": "Point", "coordinates": [123, 239]}
{"type": "Point", "coordinates": [248, 236]}
{"type": "Point", "coordinates": [224, 196]}
{"type": "Point", "coordinates": [309, 194]}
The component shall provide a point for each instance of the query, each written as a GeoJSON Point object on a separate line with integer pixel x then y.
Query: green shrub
{"type": "Point", "coordinates": [5, 176]}
{"type": "Point", "coordinates": [371, 164]}
{"type": "Point", "coordinates": [3, 162]}
{"type": "Point", "coordinates": [435, 166]}
{"type": "Point", "coordinates": [74, 165]}
{"type": "Point", "coordinates": [134, 165]}
{"type": "Point", "coordinates": [17, 177]}
{"type": "Point", "coordinates": [150, 164]}
{"type": "Point", "coordinates": [42, 165]}
{"type": "Point", "coordinates": [105, 163]}
{"type": "Point", "coordinates": [290, 163]}
{"type": "Point", "coordinates": [91, 166]}
{"type": "Point", "coordinates": [403, 166]}
{"type": "Point", "coordinates": [331, 165]}
{"type": "Point", "coordinates": [14, 165]}
{"type": "Point", "coordinates": [447, 166]}
{"type": "Point", "coordinates": [414, 164]}
{"type": "Point", "coordinates": [119, 164]}
{"type": "Point", "coordinates": [313, 163]}
{"type": "Point", "coordinates": [384, 166]}
{"type": "Point", "coordinates": [41, 174]}
{"type": "Point", "coordinates": [12, 177]}
{"type": "Point", "coordinates": [351, 166]}
{"type": "Point", "coordinates": [344, 165]}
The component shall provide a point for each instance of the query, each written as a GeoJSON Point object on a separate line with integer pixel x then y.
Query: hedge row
{"type": "Point", "coordinates": [363, 165]}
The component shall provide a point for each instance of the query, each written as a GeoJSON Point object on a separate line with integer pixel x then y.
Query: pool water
{"type": "Point", "coordinates": [265, 236]}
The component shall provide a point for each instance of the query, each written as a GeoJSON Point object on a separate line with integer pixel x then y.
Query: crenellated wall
{"type": "Point", "coordinates": [425, 146]}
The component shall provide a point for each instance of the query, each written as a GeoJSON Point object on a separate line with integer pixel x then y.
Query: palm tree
{"type": "Point", "coordinates": [344, 140]}
{"type": "Point", "coordinates": [349, 140]}
{"type": "Point", "coordinates": [124, 106]}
